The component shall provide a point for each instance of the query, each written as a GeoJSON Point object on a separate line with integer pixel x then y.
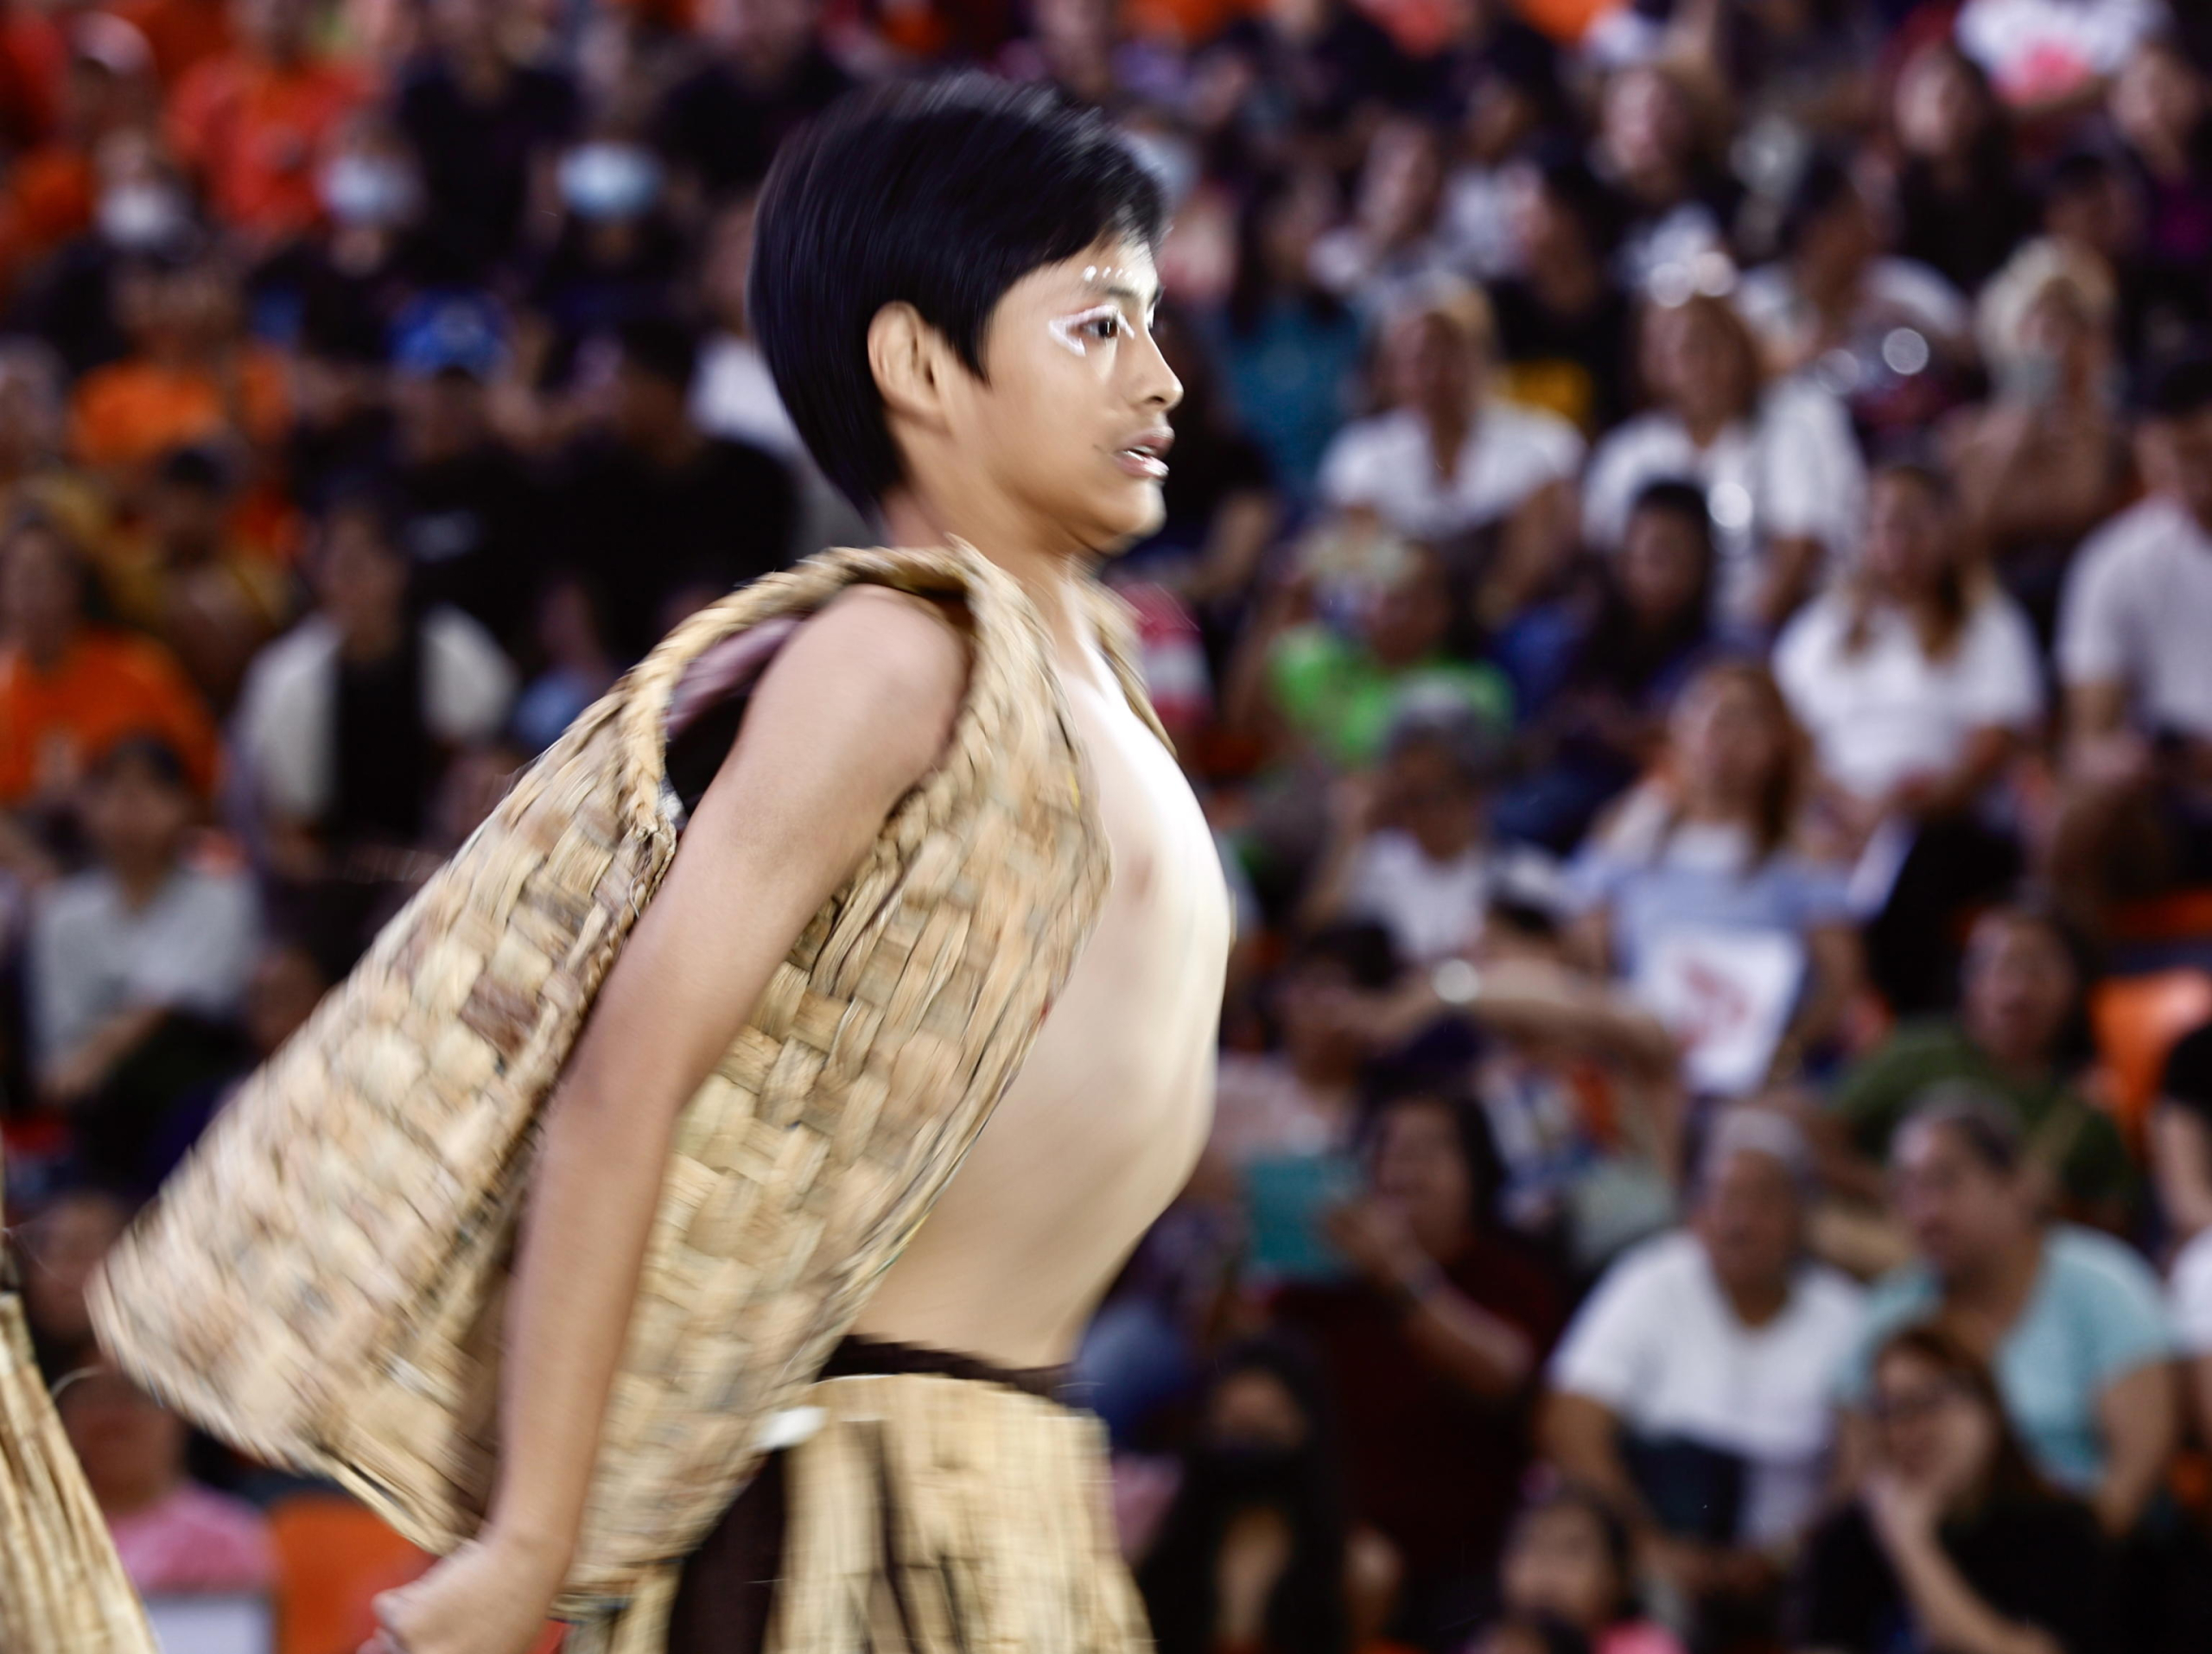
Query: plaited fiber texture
{"type": "Point", "coordinates": [62, 1589]}
{"type": "Point", "coordinates": [323, 1281]}
{"type": "Point", "coordinates": [940, 1516]}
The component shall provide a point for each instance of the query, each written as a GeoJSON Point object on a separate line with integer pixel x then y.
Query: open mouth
{"type": "Point", "coordinates": [1145, 458]}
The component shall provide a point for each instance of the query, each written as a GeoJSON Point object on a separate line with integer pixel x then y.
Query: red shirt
{"type": "Point", "coordinates": [1436, 1469]}
{"type": "Point", "coordinates": [255, 133]}
{"type": "Point", "coordinates": [107, 685]}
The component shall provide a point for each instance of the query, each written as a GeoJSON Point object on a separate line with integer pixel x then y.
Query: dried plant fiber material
{"type": "Point", "coordinates": [62, 1589]}
{"type": "Point", "coordinates": [321, 1282]}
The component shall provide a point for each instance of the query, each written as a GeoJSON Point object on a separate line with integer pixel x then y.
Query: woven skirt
{"type": "Point", "coordinates": [938, 1506]}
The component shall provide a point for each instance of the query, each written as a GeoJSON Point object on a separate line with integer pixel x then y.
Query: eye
{"type": "Point", "coordinates": [1105, 328]}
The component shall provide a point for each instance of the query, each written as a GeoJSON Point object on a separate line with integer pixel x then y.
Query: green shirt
{"type": "Point", "coordinates": [1337, 695]}
{"type": "Point", "coordinates": [1875, 1098]}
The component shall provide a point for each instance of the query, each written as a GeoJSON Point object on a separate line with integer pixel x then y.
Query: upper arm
{"type": "Point", "coordinates": [851, 714]}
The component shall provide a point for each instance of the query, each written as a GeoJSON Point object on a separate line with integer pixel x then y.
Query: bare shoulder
{"type": "Point", "coordinates": [875, 677]}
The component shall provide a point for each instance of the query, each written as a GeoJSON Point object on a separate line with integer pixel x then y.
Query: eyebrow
{"type": "Point", "coordinates": [1120, 291]}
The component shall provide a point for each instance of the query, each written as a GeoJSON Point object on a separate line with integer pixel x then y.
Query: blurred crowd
{"type": "Point", "coordinates": [1687, 596]}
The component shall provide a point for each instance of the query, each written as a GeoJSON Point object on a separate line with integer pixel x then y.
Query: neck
{"type": "Point", "coordinates": [124, 1499]}
{"type": "Point", "coordinates": [1567, 285]}
{"type": "Point", "coordinates": [1757, 1303]}
{"type": "Point", "coordinates": [141, 883]}
{"type": "Point", "coordinates": [1048, 574]}
{"type": "Point", "coordinates": [1705, 425]}
{"type": "Point", "coordinates": [1999, 1288]}
{"type": "Point", "coordinates": [371, 637]}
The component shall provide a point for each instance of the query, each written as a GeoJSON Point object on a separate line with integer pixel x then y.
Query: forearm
{"type": "Point", "coordinates": [1486, 1355]}
{"type": "Point", "coordinates": [1580, 1438]}
{"type": "Point", "coordinates": [594, 1192]}
{"type": "Point", "coordinates": [2141, 1417]}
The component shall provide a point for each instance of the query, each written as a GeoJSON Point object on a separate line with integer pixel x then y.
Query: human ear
{"type": "Point", "coordinates": [908, 359]}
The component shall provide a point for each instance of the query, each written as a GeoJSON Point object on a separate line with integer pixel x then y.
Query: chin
{"type": "Point", "coordinates": [1120, 523]}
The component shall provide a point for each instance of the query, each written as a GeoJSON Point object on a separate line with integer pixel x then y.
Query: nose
{"type": "Point", "coordinates": [1162, 389]}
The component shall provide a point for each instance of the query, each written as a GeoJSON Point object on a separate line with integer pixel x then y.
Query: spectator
{"type": "Point", "coordinates": [470, 514]}
{"type": "Point", "coordinates": [1393, 250]}
{"type": "Point", "coordinates": [1289, 348]}
{"type": "Point", "coordinates": [1255, 1550]}
{"type": "Point", "coordinates": [578, 669]}
{"type": "Point", "coordinates": [1694, 1389]}
{"type": "Point", "coordinates": [2017, 1036]}
{"type": "Point", "coordinates": [1698, 878]}
{"type": "Point", "coordinates": [251, 123]}
{"type": "Point", "coordinates": [173, 1536]}
{"type": "Point", "coordinates": [1890, 333]}
{"type": "Point", "coordinates": [1563, 326]}
{"type": "Point", "coordinates": [2054, 58]}
{"type": "Point", "coordinates": [1341, 695]}
{"type": "Point", "coordinates": [1680, 205]}
{"type": "Point", "coordinates": [2138, 682]}
{"type": "Point", "coordinates": [733, 394]}
{"type": "Point", "coordinates": [765, 72]}
{"type": "Point", "coordinates": [1450, 459]}
{"type": "Point", "coordinates": [186, 579]}
{"type": "Point", "coordinates": [1572, 1558]}
{"type": "Point", "coordinates": [345, 719]}
{"type": "Point", "coordinates": [1511, 93]}
{"type": "Point", "coordinates": [1601, 672]}
{"type": "Point", "coordinates": [2181, 1160]}
{"type": "Point", "coordinates": [1961, 208]}
{"type": "Point", "coordinates": [2159, 104]}
{"type": "Point", "coordinates": [191, 377]}
{"type": "Point", "coordinates": [1954, 1541]}
{"type": "Point", "coordinates": [2070, 1320]}
{"type": "Point", "coordinates": [61, 1246]}
{"type": "Point", "coordinates": [1410, 849]}
{"type": "Point", "coordinates": [69, 689]}
{"type": "Point", "coordinates": [655, 505]}
{"type": "Point", "coordinates": [483, 124]}
{"type": "Point", "coordinates": [1918, 683]}
{"type": "Point", "coordinates": [34, 477]}
{"type": "Point", "coordinates": [137, 966]}
{"type": "Point", "coordinates": [1430, 1350]}
{"type": "Point", "coordinates": [1781, 471]}
{"type": "Point", "coordinates": [2046, 459]}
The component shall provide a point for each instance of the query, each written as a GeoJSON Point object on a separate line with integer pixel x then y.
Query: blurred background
{"type": "Point", "coordinates": [1687, 595]}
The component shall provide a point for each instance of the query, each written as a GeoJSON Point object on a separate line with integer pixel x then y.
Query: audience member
{"type": "Point", "coordinates": [1696, 889]}
{"type": "Point", "coordinates": [1782, 477]}
{"type": "Point", "coordinates": [1431, 1350]}
{"type": "Point", "coordinates": [2181, 1160]}
{"type": "Point", "coordinates": [1954, 1541]}
{"type": "Point", "coordinates": [1694, 1389]}
{"type": "Point", "coordinates": [61, 1246]}
{"type": "Point", "coordinates": [2070, 1321]}
{"type": "Point", "coordinates": [69, 688]}
{"type": "Point", "coordinates": [2018, 1038]}
{"type": "Point", "coordinates": [1572, 1557]}
{"type": "Point", "coordinates": [173, 1536]}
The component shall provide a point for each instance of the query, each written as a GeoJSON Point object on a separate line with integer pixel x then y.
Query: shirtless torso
{"type": "Point", "coordinates": [1105, 1120]}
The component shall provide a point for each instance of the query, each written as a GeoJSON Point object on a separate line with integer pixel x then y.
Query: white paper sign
{"type": "Point", "coordinates": [1726, 995]}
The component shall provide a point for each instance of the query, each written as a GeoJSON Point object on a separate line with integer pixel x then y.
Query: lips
{"type": "Point", "coordinates": [1146, 456]}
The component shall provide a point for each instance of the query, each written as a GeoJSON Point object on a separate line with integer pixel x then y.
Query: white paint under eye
{"type": "Point", "coordinates": [1067, 330]}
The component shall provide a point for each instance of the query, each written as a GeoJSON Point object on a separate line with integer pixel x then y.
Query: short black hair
{"type": "Point", "coordinates": [942, 194]}
{"type": "Point", "coordinates": [662, 348]}
{"type": "Point", "coordinates": [1676, 497]}
{"type": "Point", "coordinates": [196, 469]}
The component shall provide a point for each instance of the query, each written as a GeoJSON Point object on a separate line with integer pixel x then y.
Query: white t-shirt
{"type": "Point", "coordinates": [1658, 1345]}
{"type": "Point", "coordinates": [2034, 49]}
{"type": "Point", "coordinates": [1886, 711]}
{"type": "Point", "coordinates": [2138, 611]}
{"type": "Point", "coordinates": [734, 395]}
{"type": "Point", "coordinates": [1793, 471]}
{"type": "Point", "coordinates": [1435, 909]}
{"type": "Point", "coordinates": [2188, 1296]}
{"type": "Point", "coordinates": [1905, 289]}
{"type": "Point", "coordinates": [1385, 464]}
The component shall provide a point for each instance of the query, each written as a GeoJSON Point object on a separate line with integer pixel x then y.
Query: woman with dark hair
{"type": "Point", "coordinates": [1572, 1558]}
{"type": "Point", "coordinates": [1961, 205]}
{"type": "Point", "coordinates": [1917, 681]}
{"type": "Point", "coordinates": [1954, 1541]}
{"type": "Point", "coordinates": [1432, 1347]}
{"type": "Point", "coordinates": [1564, 326]}
{"type": "Point", "coordinates": [1253, 1553]}
{"type": "Point", "coordinates": [1699, 871]}
{"type": "Point", "coordinates": [2070, 1321]}
{"type": "Point", "coordinates": [1598, 671]}
{"type": "Point", "coordinates": [1290, 351]}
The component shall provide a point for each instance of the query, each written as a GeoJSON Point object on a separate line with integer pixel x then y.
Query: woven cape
{"type": "Point", "coordinates": [323, 1281]}
{"type": "Point", "coordinates": [62, 1589]}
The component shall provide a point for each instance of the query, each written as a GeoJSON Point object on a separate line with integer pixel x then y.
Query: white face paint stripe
{"type": "Point", "coordinates": [1066, 330]}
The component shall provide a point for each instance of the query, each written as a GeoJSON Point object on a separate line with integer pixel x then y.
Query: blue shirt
{"type": "Point", "coordinates": [2096, 1315]}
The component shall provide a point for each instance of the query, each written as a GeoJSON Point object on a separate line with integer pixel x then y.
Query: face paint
{"type": "Point", "coordinates": [1067, 331]}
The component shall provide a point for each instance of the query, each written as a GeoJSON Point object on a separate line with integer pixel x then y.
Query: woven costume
{"type": "Point", "coordinates": [323, 1281]}
{"type": "Point", "coordinates": [62, 1590]}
